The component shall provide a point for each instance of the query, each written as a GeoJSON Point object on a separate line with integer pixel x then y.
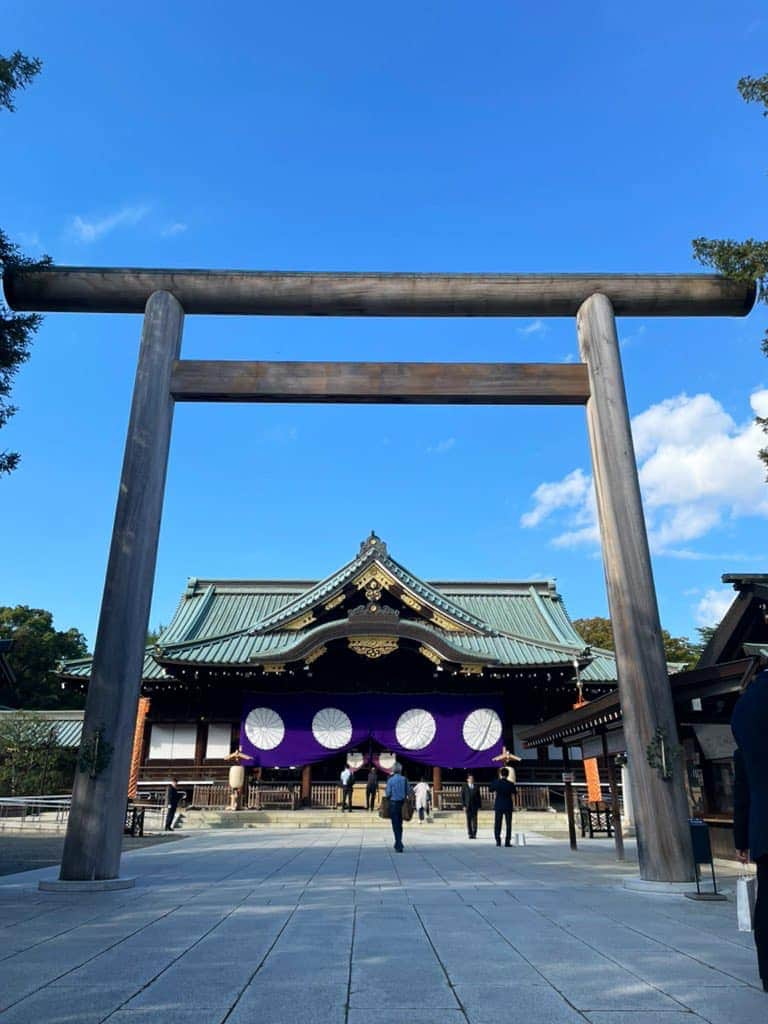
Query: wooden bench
{"type": "Point", "coordinates": [595, 817]}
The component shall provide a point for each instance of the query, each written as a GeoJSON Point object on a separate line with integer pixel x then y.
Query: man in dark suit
{"type": "Point", "coordinates": [172, 797]}
{"type": "Point", "coordinates": [502, 806]}
{"type": "Point", "coordinates": [471, 801]}
{"type": "Point", "coordinates": [750, 811]}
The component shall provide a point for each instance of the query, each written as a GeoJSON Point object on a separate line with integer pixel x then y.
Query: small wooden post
{"type": "Point", "coordinates": [610, 768]}
{"type": "Point", "coordinates": [306, 785]}
{"type": "Point", "coordinates": [569, 808]}
{"type": "Point", "coordinates": [661, 812]}
{"type": "Point", "coordinates": [95, 828]}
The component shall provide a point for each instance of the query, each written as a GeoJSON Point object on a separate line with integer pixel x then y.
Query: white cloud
{"type": "Point", "coordinates": [535, 327]}
{"type": "Point", "coordinates": [713, 606]}
{"type": "Point", "coordinates": [698, 469]}
{"type": "Point", "coordinates": [174, 229]}
{"type": "Point", "coordinates": [570, 492]}
{"type": "Point", "coordinates": [92, 230]}
{"type": "Point", "coordinates": [441, 447]}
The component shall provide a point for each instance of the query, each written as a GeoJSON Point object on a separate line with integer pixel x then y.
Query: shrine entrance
{"type": "Point", "coordinates": [94, 834]}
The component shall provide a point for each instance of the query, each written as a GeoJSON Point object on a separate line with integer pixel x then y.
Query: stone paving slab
{"type": "Point", "coordinates": [332, 926]}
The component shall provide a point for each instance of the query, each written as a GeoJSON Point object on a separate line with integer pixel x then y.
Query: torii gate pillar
{"type": "Point", "coordinates": [660, 805]}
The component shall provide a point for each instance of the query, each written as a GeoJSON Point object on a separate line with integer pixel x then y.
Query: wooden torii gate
{"type": "Point", "coordinates": [94, 833]}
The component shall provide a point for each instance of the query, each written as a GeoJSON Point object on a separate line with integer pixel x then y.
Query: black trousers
{"type": "Point", "coordinates": [170, 815]}
{"type": "Point", "coordinates": [761, 918]}
{"type": "Point", "coordinates": [471, 813]}
{"type": "Point", "coordinates": [370, 799]}
{"type": "Point", "coordinates": [497, 817]}
{"type": "Point", "coordinates": [396, 817]}
{"type": "Point", "coordinates": [346, 797]}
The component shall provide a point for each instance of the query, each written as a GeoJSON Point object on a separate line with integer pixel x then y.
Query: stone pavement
{"type": "Point", "coordinates": [335, 928]}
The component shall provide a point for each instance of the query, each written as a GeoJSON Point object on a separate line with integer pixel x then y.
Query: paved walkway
{"type": "Point", "coordinates": [335, 928]}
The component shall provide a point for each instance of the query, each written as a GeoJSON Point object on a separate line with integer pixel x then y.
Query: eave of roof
{"type": "Point", "coordinates": [724, 678]}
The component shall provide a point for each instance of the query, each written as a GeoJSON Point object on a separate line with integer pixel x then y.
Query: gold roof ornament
{"type": "Point", "coordinates": [373, 646]}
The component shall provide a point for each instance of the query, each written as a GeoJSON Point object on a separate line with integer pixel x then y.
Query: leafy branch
{"type": "Point", "coordinates": [747, 260]}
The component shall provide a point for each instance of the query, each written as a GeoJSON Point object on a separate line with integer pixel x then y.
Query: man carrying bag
{"type": "Point", "coordinates": [750, 812]}
{"type": "Point", "coordinates": [397, 792]}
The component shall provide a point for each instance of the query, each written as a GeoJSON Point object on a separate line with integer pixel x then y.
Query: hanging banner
{"type": "Point", "coordinates": [450, 730]}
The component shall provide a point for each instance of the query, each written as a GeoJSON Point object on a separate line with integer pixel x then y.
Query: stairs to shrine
{"type": "Point", "coordinates": [549, 822]}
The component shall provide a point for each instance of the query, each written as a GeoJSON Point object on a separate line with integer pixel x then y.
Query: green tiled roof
{"type": "Point", "coordinates": [238, 622]}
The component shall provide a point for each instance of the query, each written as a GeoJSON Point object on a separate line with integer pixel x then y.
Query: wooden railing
{"type": "Point", "coordinates": [325, 794]}
{"type": "Point", "coordinates": [274, 794]}
{"type": "Point", "coordinates": [527, 798]}
{"type": "Point", "coordinates": [215, 795]}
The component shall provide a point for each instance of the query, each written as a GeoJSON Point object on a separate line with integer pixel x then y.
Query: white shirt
{"type": "Point", "coordinates": [346, 777]}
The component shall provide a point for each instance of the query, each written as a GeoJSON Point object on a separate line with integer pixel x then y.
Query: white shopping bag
{"type": "Point", "coordinates": [746, 894]}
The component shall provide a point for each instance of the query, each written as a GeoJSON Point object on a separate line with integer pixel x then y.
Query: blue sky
{"type": "Point", "coordinates": [455, 137]}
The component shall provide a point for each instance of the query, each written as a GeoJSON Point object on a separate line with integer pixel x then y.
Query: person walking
{"type": "Point", "coordinates": [347, 788]}
{"type": "Point", "coordinates": [471, 801]}
{"type": "Point", "coordinates": [172, 797]}
{"type": "Point", "coordinates": [371, 789]}
{"type": "Point", "coordinates": [750, 811]}
{"type": "Point", "coordinates": [397, 792]}
{"type": "Point", "coordinates": [421, 794]}
{"type": "Point", "coordinates": [502, 806]}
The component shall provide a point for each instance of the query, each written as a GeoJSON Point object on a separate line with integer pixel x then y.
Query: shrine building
{"type": "Point", "coordinates": [369, 665]}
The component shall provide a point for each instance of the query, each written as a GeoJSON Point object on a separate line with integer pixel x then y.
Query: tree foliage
{"type": "Point", "coordinates": [16, 329]}
{"type": "Point", "coordinates": [32, 762]}
{"type": "Point", "coordinates": [16, 72]}
{"type": "Point", "coordinates": [598, 632]}
{"type": "Point", "coordinates": [36, 651]}
{"type": "Point", "coordinates": [154, 634]}
{"type": "Point", "coordinates": [747, 260]}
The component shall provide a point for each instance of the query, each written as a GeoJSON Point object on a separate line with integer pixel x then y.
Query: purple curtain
{"type": "Point", "coordinates": [453, 731]}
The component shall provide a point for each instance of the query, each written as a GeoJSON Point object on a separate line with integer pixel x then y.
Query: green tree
{"type": "Point", "coordinates": [598, 632]}
{"type": "Point", "coordinates": [37, 649]}
{"type": "Point", "coordinates": [747, 260]}
{"type": "Point", "coordinates": [16, 329]}
{"type": "Point", "coordinates": [31, 760]}
{"type": "Point", "coordinates": [153, 635]}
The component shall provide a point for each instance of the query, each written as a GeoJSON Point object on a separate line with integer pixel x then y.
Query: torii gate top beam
{"type": "Point", "coordinates": [306, 293]}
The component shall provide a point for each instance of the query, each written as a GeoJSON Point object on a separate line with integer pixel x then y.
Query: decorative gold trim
{"type": "Point", "coordinates": [314, 655]}
{"type": "Point", "coordinates": [472, 670]}
{"type": "Point", "coordinates": [273, 668]}
{"type": "Point", "coordinates": [334, 602]}
{"type": "Point", "coordinates": [433, 656]}
{"type": "Point", "coordinates": [373, 646]}
{"type": "Point", "coordinates": [374, 573]}
{"type": "Point", "coordinates": [449, 624]}
{"type": "Point", "coordinates": [406, 598]}
{"type": "Point", "coordinates": [300, 621]}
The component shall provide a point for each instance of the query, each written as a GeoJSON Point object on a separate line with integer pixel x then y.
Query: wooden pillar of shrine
{"type": "Point", "coordinates": [306, 785]}
{"type": "Point", "coordinates": [138, 746]}
{"type": "Point", "coordinates": [437, 785]}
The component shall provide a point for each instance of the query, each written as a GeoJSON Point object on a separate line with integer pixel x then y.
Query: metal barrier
{"type": "Point", "coordinates": [42, 813]}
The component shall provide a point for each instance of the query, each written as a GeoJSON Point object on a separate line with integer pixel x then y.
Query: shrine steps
{"type": "Point", "coordinates": [523, 821]}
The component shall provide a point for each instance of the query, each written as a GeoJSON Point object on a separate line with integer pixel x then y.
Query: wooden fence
{"type": "Point", "coordinates": [527, 797]}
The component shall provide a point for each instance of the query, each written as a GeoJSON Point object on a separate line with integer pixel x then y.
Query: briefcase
{"type": "Point", "coordinates": [407, 808]}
